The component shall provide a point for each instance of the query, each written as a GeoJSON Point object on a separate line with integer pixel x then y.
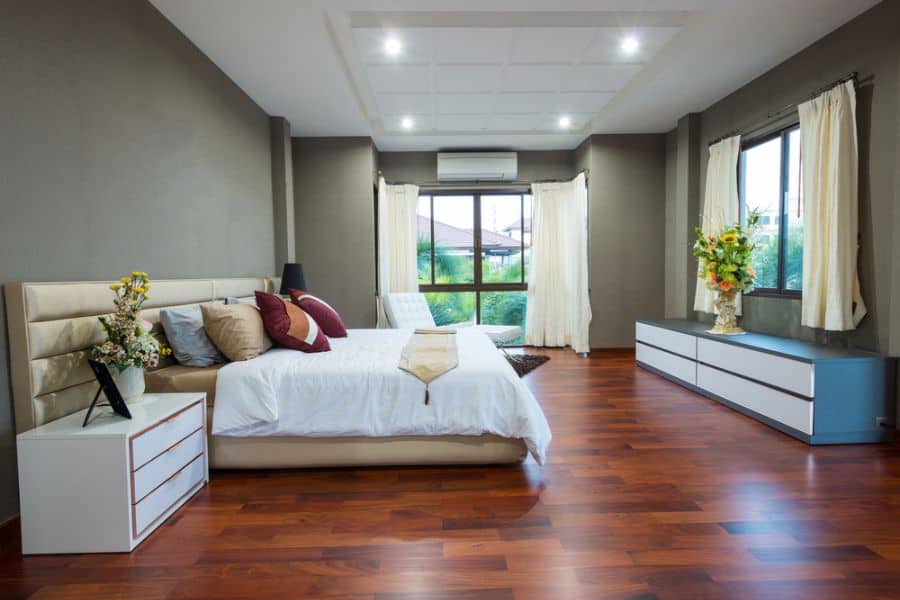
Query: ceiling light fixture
{"type": "Point", "coordinates": [565, 122]}
{"type": "Point", "coordinates": [407, 123]}
{"type": "Point", "coordinates": [393, 46]}
{"type": "Point", "coordinates": [630, 44]}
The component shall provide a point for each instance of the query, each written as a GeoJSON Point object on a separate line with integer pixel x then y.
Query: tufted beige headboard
{"type": "Point", "coordinates": [53, 325]}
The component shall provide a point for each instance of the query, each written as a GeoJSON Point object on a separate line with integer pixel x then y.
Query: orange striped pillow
{"type": "Point", "coordinates": [289, 325]}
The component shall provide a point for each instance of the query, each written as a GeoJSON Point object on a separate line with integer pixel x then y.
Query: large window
{"type": "Point", "coordinates": [770, 183]}
{"type": "Point", "coordinates": [473, 256]}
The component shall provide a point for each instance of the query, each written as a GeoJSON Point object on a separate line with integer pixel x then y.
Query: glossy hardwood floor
{"type": "Point", "coordinates": [650, 492]}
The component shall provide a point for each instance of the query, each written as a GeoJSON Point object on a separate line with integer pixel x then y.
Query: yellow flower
{"type": "Point", "coordinates": [135, 273]}
{"type": "Point", "coordinates": [729, 238]}
{"type": "Point", "coordinates": [124, 279]}
{"type": "Point", "coordinates": [139, 290]}
{"type": "Point", "coordinates": [115, 286]}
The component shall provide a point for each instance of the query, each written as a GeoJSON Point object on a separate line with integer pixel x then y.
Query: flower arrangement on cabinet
{"type": "Point", "coordinates": [129, 341]}
{"type": "Point", "coordinates": [725, 259]}
{"type": "Point", "coordinates": [726, 267]}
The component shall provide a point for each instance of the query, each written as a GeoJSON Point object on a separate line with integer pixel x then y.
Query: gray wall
{"type": "Point", "coordinates": [870, 46]}
{"type": "Point", "coordinates": [421, 167]}
{"type": "Point", "coordinates": [121, 147]}
{"type": "Point", "coordinates": [627, 191]}
{"type": "Point", "coordinates": [334, 209]}
{"type": "Point", "coordinates": [282, 190]}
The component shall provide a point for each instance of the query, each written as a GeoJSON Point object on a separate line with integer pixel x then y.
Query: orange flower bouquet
{"type": "Point", "coordinates": [725, 266]}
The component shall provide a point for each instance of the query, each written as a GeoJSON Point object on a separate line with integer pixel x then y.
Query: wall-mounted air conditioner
{"type": "Point", "coordinates": [477, 166]}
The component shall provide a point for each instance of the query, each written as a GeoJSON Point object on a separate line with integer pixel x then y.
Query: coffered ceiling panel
{"type": "Point", "coordinates": [552, 44]}
{"type": "Point", "coordinates": [475, 46]}
{"type": "Point", "coordinates": [496, 73]}
{"type": "Point", "coordinates": [456, 77]}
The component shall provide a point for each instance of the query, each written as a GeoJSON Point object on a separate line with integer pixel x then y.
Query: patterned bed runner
{"type": "Point", "coordinates": [429, 354]}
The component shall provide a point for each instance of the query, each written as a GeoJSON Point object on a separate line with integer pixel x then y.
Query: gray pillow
{"type": "Point", "coordinates": [190, 344]}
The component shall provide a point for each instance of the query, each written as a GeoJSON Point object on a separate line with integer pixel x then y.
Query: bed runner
{"type": "Point", "coordinates": [428, 354]}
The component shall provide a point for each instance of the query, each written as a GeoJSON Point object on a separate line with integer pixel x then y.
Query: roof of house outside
{"type": "Point", "coordinates": [449, 236]}
{"type": "Point", "coordinates": [517, 224]}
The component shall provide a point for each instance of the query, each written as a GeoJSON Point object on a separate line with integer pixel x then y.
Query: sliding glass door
{"type": "Point", "coordinates": [473, 256]}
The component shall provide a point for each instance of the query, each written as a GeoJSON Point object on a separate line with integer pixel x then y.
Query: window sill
{"type": "Point", "coordinates": [775, 294]}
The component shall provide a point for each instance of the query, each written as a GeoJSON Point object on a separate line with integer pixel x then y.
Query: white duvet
{"type": "Point", "coordinates": [356, 389]}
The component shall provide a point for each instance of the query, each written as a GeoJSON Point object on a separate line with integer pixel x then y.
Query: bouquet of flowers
{"type": "Point", "coordinates": [129, 342]}
{"type": "Point", "coordinates": [725, 258]}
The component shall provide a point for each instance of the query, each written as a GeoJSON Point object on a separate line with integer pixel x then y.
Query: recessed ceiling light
{"type": "Point", "coordinates": [630, 44]}
{"type": "Point", "coordinates": [393, 46]}
{"type": "Point", "coordinates": [407, 123]}
{"type": "Point", "coordinates": [564, 122]}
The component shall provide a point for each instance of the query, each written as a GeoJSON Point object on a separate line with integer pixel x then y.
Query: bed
{"type": "Point", "coordinates": [52, 326]}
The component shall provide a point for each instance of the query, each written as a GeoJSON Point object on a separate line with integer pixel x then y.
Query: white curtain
{"type": "Point", "coordinates": [397, 237]}
{"type": "Point", "coordinates": [559, 308]}
{"type": "Point", "coordinates": [828, 147]}
{"type": "Point", "coordinates": [720, 205]}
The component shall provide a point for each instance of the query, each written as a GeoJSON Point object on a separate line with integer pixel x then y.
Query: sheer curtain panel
{"type": "Point", "coordinates": [397, 268]}
{"type": "Point", "coordinates": [828, 145]}
{"type": "Point", "coordinates": [720, 206]}
{"type": "Point", "coordinates": [559, 308]}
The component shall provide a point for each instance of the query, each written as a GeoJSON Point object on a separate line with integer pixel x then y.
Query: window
{"type": "Point", "coordinates": [473, 253]}
{"type": "Point", "coordinates": [769, 182]}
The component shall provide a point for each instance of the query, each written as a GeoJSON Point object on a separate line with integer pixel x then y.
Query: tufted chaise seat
{"type": "Point", "coordinates": [409, 310]}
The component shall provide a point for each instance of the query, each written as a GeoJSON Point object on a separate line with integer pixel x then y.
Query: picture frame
{"type": "Point", "coordinates": [108, 387]}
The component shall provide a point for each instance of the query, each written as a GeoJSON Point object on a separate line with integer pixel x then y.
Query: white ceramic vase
{"type": "Point", "coordinates": [130, 382]}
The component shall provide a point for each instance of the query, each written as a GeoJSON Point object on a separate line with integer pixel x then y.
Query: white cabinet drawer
{"type": "Point", "coordinates": [778, 406]}
{"type": "Point", "coordinates": [785, 373]}
{"type": "Point", "coordinates": [151, 443]}
{"type": "Point", "coordinates": [678, 367]}
{"type": "Point", "coordinates": [673, 341]}
{"type": "Point", "coordinates": [148, 477]}
{"type": "Point", "coordinates": [167, 495]}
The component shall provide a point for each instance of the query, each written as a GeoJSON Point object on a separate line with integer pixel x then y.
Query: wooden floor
{"type": "Point", "coordinates": [650, 492]}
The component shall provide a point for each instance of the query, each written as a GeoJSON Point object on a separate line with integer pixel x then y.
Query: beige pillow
{"type": "Point", "coordinates": [236, 330]}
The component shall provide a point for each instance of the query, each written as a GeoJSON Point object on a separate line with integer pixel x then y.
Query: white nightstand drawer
{"type": "Point", "coordinates": [673, 341]}
{"type": "Point", "coordinates": [778, 406]}
{"type": "Point", "coordinates": [151, 475]}
{"type": "Point", "coordinates": [149, 444]}
{"type": "Point", "coordinates": [785, 373]}
{"type": "Point", "coordinates": [681, 368]}
{"type": "Point", "coordinates": [168, 494]}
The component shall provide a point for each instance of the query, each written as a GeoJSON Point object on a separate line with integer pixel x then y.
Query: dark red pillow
{"type": "Point", "coordinates": [289, 325]}
{"type": "Point", "coordinates": [327, 318]}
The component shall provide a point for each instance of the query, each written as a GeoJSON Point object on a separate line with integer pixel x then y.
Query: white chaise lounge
{"type": "Point", "coordinates": [410, 310]}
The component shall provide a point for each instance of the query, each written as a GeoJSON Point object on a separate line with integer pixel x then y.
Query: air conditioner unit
{"type": "Point", "coordinates": [477, 166]}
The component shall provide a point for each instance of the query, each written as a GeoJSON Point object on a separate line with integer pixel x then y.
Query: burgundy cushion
{"type": "Point", "coordinates": [289, 325]}
{"type": "Point", "coordinates": [327, 318]}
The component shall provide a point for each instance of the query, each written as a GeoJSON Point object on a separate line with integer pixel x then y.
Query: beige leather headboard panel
{"type": "Point", "coordinates": [53, 325]}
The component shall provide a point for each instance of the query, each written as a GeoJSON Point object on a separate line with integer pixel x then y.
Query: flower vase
{"type": "Point", "coordinates": [726, 321]}
{"type": "Point", "coordinates": [130, 382]}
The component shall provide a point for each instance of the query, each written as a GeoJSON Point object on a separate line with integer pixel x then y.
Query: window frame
{"type": "Point", "coordinates": [783, 134]}
{"type": "Point", "coordinates": [478, 285]}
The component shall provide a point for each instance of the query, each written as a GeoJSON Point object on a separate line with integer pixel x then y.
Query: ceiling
{"type": "Point", "coordinates": [491, 74]}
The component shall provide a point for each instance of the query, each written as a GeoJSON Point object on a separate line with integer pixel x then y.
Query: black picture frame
{"type": "Point", "coordinates": [108, 387]}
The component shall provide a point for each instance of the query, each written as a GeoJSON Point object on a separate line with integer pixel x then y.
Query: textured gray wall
{"type": "Point", "coordinates": [334, 209]}
{"type": "Point", "coordinates": [121, 147]}
{"type": "Point", "coordinates": [870, 46]}
{"type": "Point", "coordinates": [421, 167]}
{"type": "Point", "coordinates": [627, 192]}
{"type": "Point", "coordinates": [282, 191]}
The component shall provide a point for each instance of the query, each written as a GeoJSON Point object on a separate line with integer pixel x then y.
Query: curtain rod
{"type": "Point", "coordinates": [781, 113]}
{"type": "Point", "coordinates": [485, 184]}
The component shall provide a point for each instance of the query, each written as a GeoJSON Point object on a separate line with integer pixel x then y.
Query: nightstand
{"type": "Point", "coordinates": [107, 486]}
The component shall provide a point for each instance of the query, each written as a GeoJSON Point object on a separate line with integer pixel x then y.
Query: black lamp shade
{"type": "Point", "coordinates": [292, 278]}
